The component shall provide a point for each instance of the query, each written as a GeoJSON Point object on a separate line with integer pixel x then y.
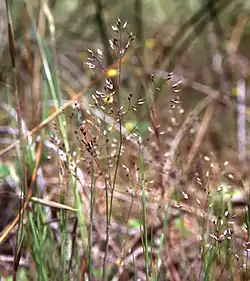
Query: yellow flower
{"type": "Point", "coordinates": [108, 99]}
{"type": "Point", "coordinates": [235, 92]}
{"type": "Point", "coordinates": [112, 72]}
{"type": "Point", "coordinates": [129, 126]}
{"type": "Point", "coordinates": [150, 43]}
{"type": "Point", "coordinates": [120, 262]}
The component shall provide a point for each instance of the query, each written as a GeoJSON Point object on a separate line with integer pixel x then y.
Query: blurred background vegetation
{"type": "Point", "coordinates": [189, 60]}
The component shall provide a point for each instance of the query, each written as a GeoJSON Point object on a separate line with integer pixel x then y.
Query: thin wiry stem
{"type": "Point", "coordinates": [116, 170]}
{"type": "Point", "coordinates": [144, 215]}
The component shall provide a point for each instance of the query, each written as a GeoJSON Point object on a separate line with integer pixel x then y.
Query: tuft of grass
{"type": "Point", "coordinates": [114, 199]}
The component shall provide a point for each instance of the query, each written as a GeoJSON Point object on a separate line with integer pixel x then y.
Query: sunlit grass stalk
{"type": "Point", "coordinates": [81, 217]}
{"type": "Point", "coordinates": [151, 252]}
{"type": "Point", "coordinates": [37, 248]}
{"type": "Point", "coordinates": [208, 263]}
{"type": "Point", "coordinates": [163, 235]}
{"type": "Point", "coordinates": [144, 214]}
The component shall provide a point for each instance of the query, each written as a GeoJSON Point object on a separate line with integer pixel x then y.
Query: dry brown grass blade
{"type": "Point", "coordinates": [5, 233]}
{"type": "Point", "coordinates": [52, 204]}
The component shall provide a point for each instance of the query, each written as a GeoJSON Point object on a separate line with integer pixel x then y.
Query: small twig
{"type": "Point", "coordinates": [202, 88]}
{"type": "Point", "coordinates": [200, 135]}
{"type": "Point", "coordinates": [181, 133]}
{"type": "Point", "coordinates": [234, 42]}
{"type": "Point", "coordinates": [174, 273]}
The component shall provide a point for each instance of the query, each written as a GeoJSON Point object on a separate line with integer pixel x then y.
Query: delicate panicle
{"type": "Point", "coordinates": [100, 54]}
{"type": "Point", "coordinates": [115, 28]}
